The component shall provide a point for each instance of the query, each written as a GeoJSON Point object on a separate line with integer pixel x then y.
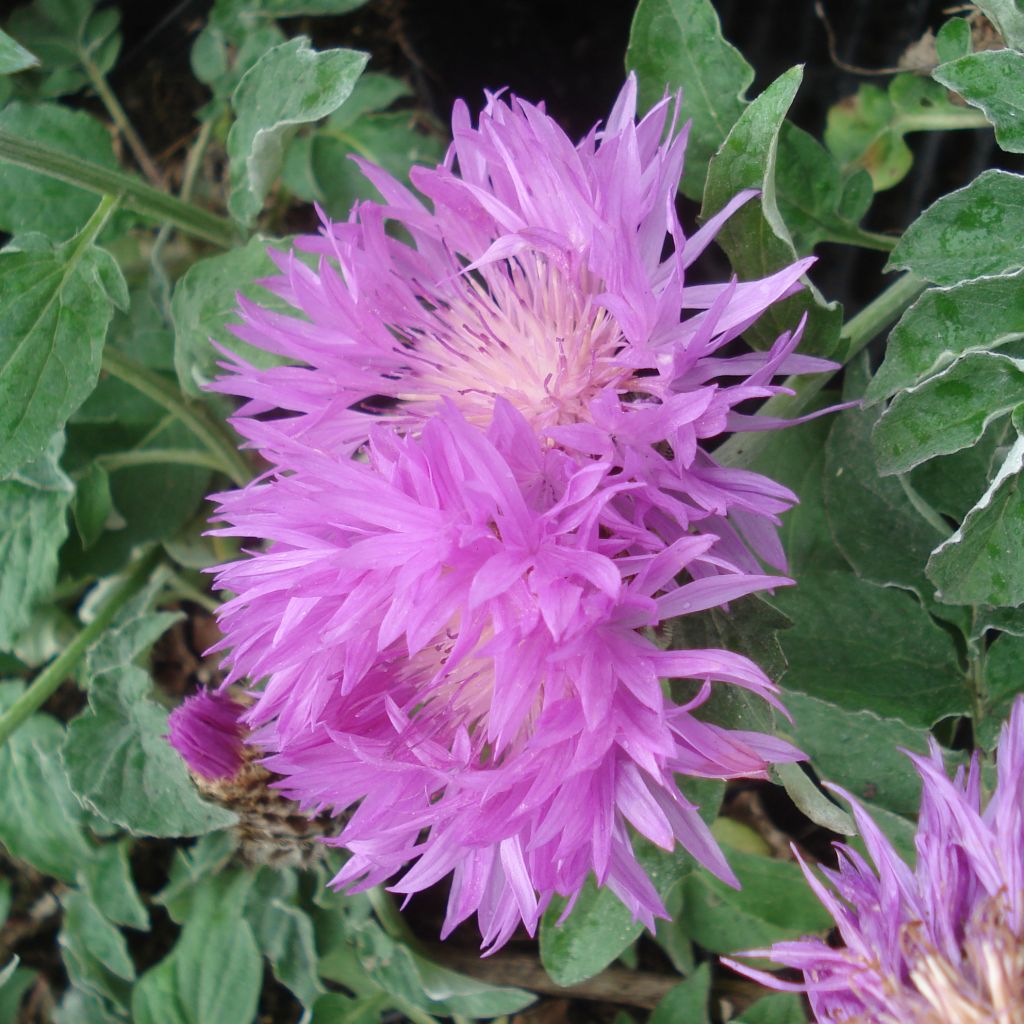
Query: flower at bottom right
{"type": "Point", "coordinates": [942, 943]}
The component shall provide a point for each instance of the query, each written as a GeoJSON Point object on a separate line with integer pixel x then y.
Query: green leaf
{"type": "Point", "coordinates": [93, 943]}
{"type": "Point", "coordinates": [774, 903]}
{"type": "Point", "coordinates": [873, 522]}
{"type": "Point", "coordinates": [64, 33]}
{"type": "Point", "coordinates": [948, 412]}
{"type": "Point", "coordinates": [973, 232]}
{"type": "Point", "coordinates": [297, 8]}
{"type": "Point", "coordinates": [781, 1008]}
{"type": "Point", "coordinates": [334, 1008]}
{"type": "Point", "coordinates": [1008, 17]}
{"type": "Point", "coordinates": [688, 1001]}
{"type": "Point", "coordinates": [33, 525]}
{"type": "Point", "coordinates": [121, 766]}
{"type": "Point", "coordinates": [812, 801]}
{"type": "Point", "coordinates": [14, 57]}
{"type": "Point", "coordinates": [107, 880]}
{"type": "Point", "coordinates": [452, 993]}
{"type": "Point", "coordinates": [599, 927]}
{"type": "Point", "coordinates": [205, 304]}
{"type": "Point", "coordinates": [868, 648]}
{"type": "Point", "coordinates": [92, 505]}
{"type": "Point", "coordinates": [43, 825]}
{"type": "Point", "coordinates": [678, 44]}
{"type": "Point", "coordinates": [866, 131]}
{"type": "Point", "coordinates": [755, 237]}
{"type": "Point", "coordinates": [1002, 682]}
{"type": "Point", "coordinates": [946, 323]}
{"type": "Point", "coordinates": [56, 312]}
{"type": "Point", "coordinates": [953, 40]}
{"type": "Point", "coordinates": [991, 81]}
{"type": "Point", "coordinates": [214, 972]}
{"type": "Point", "coordinates": [191, 867]}
{"type": "Point", "coordinates": [15, 981]}
{"type": "Point", "coordinates": [983, 562]}
{"type": "Point", "coordinates": [288, 86]}
{"type": "Point", "coordinates": [816, 203]}
{"type": "Point", "coordinates": [30, 201]}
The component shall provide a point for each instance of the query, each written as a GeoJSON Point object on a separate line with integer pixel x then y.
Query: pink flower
{"type": "Point", "coordinates": [455, 643]}
{"type": "Point", "coordinates": [943, 942]}
{"type": "Point", "coordinates": [207, 731]}
{"type": "Point", "coordinates": [534, 272]}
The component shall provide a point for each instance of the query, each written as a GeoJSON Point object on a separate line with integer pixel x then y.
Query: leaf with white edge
{"type": "Point", "coordinates": [14, 57]}
{"type": "Point", "coordinates": [288, 86]}
{"type": "Point", "coordinates": [946, 323]}
{"type": "Point", "coordinates": [107, 879]}
{"type": "Point", "coordinates": [33, 525]}
{"type": "Point", "coordinates": [56, 312]}
{"type": "Point", "coordinates": [858, 501]}
{"type": "Point", "coordinates": [973, 232]}
{"type": "Point", "coordinates": [688, 1001]}
{"type": "Point", "coordinates": [983, 562]}
{"type": "Point", "coordinates": [121, 766]}
{"type": "Point", "coordinates": [454, 993]}
{"type": "Point", "coordinates": [991, 81]}
{"type": "Point", "coordinates": [773, 904]}
{"type": "Point", "coordinates": [43, 826]}
{"type": "Point", "coordinates": [812, 801]}
{"type": "Point", "coordinates": [869, 648]}
{"type": "Point", "coordinates": [755, 237]}
{"type": "Point", "coordinates": [948, 412]}
{"type": "Point", "coordinates": [205, 304]}
{"type": "Point", "coordinates": [30, 201]}
{"type": "Point", "coordinates": [1008, 17]}
{"type": "Point", "coordinates": [678, 44]}
{"type": "Point", "coordinates": [89, 936]}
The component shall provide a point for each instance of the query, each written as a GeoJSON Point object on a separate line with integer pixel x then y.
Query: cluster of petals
{"type": "Point", "coordinates": [942, 943]}
{"type": "Point", "coordinates": [489, 494]}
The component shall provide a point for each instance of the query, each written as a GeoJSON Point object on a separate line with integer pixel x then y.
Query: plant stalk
{"type": "Point", "coordinates": [135, 193]}
{"type": "Point", "coordinates": [46, 683]}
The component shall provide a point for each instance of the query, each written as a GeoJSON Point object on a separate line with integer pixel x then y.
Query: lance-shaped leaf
{"type": "Point", "coordinates": [56, 306]}
{"type": "Point", "coordinates": [993, 81]}
{"type": "Point", "coordinates": [288, 86]}
{"type": "Point", "coordinates": [14, 57]}
{"type": "Point", "coordinates": [944, 324]}
{"type": "Point", "coordinates": [678, 44]}
{"type": "Point", "coordinates": [983, 562]}
{"type": "Point", "coordinates": [949, 411]}
{"type": "Point", "coordinates": [972, 232]}
{"type": "Point", "coordinates": [755, 236]}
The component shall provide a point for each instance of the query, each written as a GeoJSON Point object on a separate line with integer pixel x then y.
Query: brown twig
{"type": "Point", "coordinates": [830, 36]}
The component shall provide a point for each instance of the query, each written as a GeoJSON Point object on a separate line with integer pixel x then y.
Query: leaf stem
{"type": "Point", "coordinates": [136, 194]}
{"type": "Point", "coordinates": [121, 121]}
{"type": "Point", "coordinates": [46, 683]}
{"type": "Point", "coordinates": [942, 120]}
{"type": "Point", "coordinates": [214, 435]}
{"type": "Point", "coordinates": [742, 449]}
{"type": "Point", "coordinates": [159, 456]}
{"type": "Point", "coordinates": [923, 509]}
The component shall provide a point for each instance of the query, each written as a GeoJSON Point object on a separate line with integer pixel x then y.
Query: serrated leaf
{"type": "Point", "coordinates": [1008, 17]}
{"type": "Point", "coordinates": [688, 1001]}
{"type": "Point", "coordinates": [946, 323]}
{"type": "Point", "coordinates": [991, 81]}
{"type": "Point", "coordinates": [205, 303]}
{"type": "Point", "coordinates": [33, 525]}
{"type": "Point", "coordinates": [120, 764]}
{"type": "Point", "coordinates": [43, 824]}
{"type": "Point", "coordinates": [30, 201]}
{"type": "Point", "coordinates": [948, 412]}
{"type": "Point", "coordinates": [773, 904]}
{"type": "Point", "coordinates": [56, 313]}
{"type": "Point", "coordinates": [288, 86]}
{"type": "Point", "coordinates": [868, 648]}
{"type": "Point", "coordinates": [983, 562]}
{"type": "Point", "coordinates": [678, 44]}
{"type": "Point", "coordinates": [973, 232]}
{"type": "Point", "coordinates": [14, 57]}
{"type": "Point", "coordinates": [755, 237]}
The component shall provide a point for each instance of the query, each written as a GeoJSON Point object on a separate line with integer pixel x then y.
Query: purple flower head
{"type": "Point", "coordinates": [940, 944]}
{"type": "Point", "coordinates": [207, 731]}
{"type": "Point", "coordinates": [454, 640]}
{"type": "Point", "coordinates": [532, 269]}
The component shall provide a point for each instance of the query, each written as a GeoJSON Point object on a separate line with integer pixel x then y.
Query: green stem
{"type": "Point", "coordinates": [923, 509]}
{"type": "Point", "coordinates": [942, 120]}
{"type": "Point", "coordinates": [121, 122]}
{"type": "Point", "coordinates": [742, 449]}
{"type": "Point", "coordinates": [47, 682]}
{"type": "Point", "coordinates": [180, 587]}
{"type": "Point", "coordinates": [213, 434]}
{"type": "Point", "coordinates": [135, 193]}
{"type": "Point", "coordinates": [160, 456]}
{"type": "Point", "coordinates": [391, 919]}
